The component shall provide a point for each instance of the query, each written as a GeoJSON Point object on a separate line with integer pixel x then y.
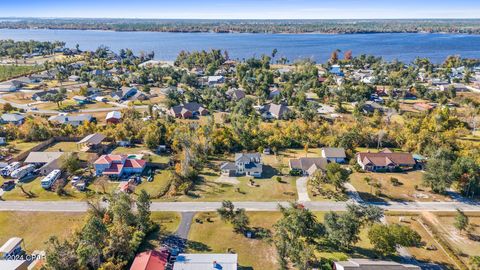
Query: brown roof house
{"type": "Point", "coordinates": [385, 160]}
{"type": "Point", "coordinates": [308, 166]}
{"type": "Point", "coordinates": [188, 110]}
{"type": "Point", "coordinates": [277, 111]}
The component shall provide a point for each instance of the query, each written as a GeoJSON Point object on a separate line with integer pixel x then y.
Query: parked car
{"type": "Point", "coordinates": [8, 185]}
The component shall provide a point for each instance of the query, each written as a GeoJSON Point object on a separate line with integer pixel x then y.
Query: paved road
{"type": "Point", "coordinates": [70, 206]}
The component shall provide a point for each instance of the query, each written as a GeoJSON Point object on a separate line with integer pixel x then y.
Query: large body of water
{"type": "Point", "coordinates": [404, 47]}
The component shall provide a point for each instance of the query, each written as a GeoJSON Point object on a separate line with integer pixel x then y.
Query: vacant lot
{"type": "Point", "coordinates": [467, 243]}
{"type": "Point", "coordinates": [12, 71]}
{"type": "Point", "coordinates": [409, 187]}
{"type": "Point", "coordinates": [430, 251]}
{"type": "Point", "coordinates": [36, 227]}
{"type": "Point", "coordinates": [252, 253]}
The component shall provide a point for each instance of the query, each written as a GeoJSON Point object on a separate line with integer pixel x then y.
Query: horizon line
{"type": "Point", "coordinates": [244, 19]}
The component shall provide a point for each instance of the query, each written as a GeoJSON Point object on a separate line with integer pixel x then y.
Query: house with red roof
{"type": "Point", "coordinates": [118, 165]}
{"type": "Point", "coordinates": [150, 260]}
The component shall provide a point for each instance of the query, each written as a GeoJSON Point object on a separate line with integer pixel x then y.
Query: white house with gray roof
{"type": "Point", "coordinates": [367, 264]}
{"type": "Point", "coordinates": [249, 164]}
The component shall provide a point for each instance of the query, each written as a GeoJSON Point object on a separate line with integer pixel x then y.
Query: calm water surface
{"type": "Point", "coordinates": [405, 47]}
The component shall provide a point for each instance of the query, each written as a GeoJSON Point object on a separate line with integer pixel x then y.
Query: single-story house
{"type": "Point", "coordinates": [307, 165]}
{"type": "Point", "coordinates": [274, 91]}
{"type": "Point", "coordinates": [74, 78]}
{"type": "Point", "coordinates": [325, 109]}
{"type": "Point", "coordinates": [368, 264]}
{"type": "Point", "coordinates": [371, 106]}
{"type": "Point", "coordinates": [113, 117]}
{"type": "Point", "coordinates": [124, 93]}
{"type": "Point", "coordinates": [41, 96]}
{"type": "Point", "coordinates": [47, 161]}
{"type": "Point", "coordinates": [151, 260]}
{"type": "Point", "coordinates": [10, 86]}
{"type": "Point", "coordinates": [118, 165]}
{"type": "Point", "coordinates": [385, 160]}
{"type": "Point", "coordinates": [12, 247]}
{"type": "Point", "coordinates": [235, 94]}
{"type": "Point", "coordinates": [277, 111]}
{"type": "Point", "coordinates": [12, 118]}
{"type": "Point", "coordinates": [188, 110]}
{"type": "Point", "coordinates": [74, 120]}
{"type": "Point", "coordinates": [249, 164]}
{"type": "Point", "coordinates": [206, 262]}
{"type": "Point", "coordinates": [334, 154]}
{"type": "Point", "coordinates": [214, 80]}
{"type": "Point", "coordinates": [81, 100]}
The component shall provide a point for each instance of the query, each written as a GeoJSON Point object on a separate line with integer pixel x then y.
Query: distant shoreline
{"type": "Point", "coordinates": [236, 32]}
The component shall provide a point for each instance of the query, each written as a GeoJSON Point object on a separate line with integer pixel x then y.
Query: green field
{"type": "Point", "coordinates": [13, 71]}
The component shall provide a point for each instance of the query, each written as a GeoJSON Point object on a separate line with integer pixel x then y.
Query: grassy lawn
{"type": "Point", "coordinates": [63, 147]}
{"type": "Point", "coordinates": [36, 227]}
{"type": "Point", "coordinates": [169, 221]}
{"type": "Point", "coordinates": [422, 253]}
{"type": "Point", "coordinates": [465, 242]}
{"type": "Point", "coordinates": [12, 71]}
{"type": "Point", "coordinates": [23, 146]}
{"type": "Point", "coordinates": [253, 253]}
{"type": "Point", "coordinates": [160, 181]}
{"type": "Point", "coordinates": [404, 192]}
{"type": "Point", "coordinates": [19, 97]}
{"type": "Point", "coordinates": [140, 149]}
{"type": "Point", "coordinates": [268, 189]}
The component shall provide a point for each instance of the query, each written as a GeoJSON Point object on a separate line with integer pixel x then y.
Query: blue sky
{"type": "Point", "coordinates": [242, 9]}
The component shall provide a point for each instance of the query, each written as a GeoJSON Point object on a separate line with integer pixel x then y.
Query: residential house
{"type": "Point", "coordinates": [325, 109]}
{"type": "Point", "coordinates": [333, 154]}
{"type": "Point", "coordinates": [113, 117]}
{"type": "Point", "coordinates": [249, 164]}
{"type": "Point", "coordinates": [42, 96]}
{"type": "Point", "coordinates": [10, 86]}
{"type": "Point", "coordinates": [206, 262]}
{"type": "Point", "coordinates": [124, 93]}
{"type": "Point", "coordinates": [370, 107]}
{"type": "Point", "coordinates": [74, 120]}
{"type": "Point", "coordinates": [12, 118]}
{"type": "Point", "coordinates": [118, 165]}
{"type": "Point", "coordinates": [74, 78]}
{"type": "Point", "coordinates": [385, 160]}
{"type": "Point", "coordinates": [274, 91]}
{"type": "Point", "coordinates": [151, 260]}
{"type": "Point", "coordinates": [47, 161]}
{"type": "Point", "coordinates": [277, 111]}
{"type": "Point", "coordinates": [12, 247]}
{"type": "Point", "coordinates": [236, 94]}
{"type": "Point", "coordinates": [188, 110]}
{"type": "Point", "coordinates": [368, 264]}
{"type": "Point", "coordinates": [457, 87]}
{"type": "Point", "coordinates": [308, 165]}
{"type": "Point", "coordinates": [81, 100]}
{"type": "Point", "coordinates": [214, 80]}
{"type": "Point", "coordinates": [335, 70]}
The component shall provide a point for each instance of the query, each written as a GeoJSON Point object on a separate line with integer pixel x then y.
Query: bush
{"type": "Point", "coordinates": [395, 182]}
{"type": "Point", "coordinates": [295, 172]}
